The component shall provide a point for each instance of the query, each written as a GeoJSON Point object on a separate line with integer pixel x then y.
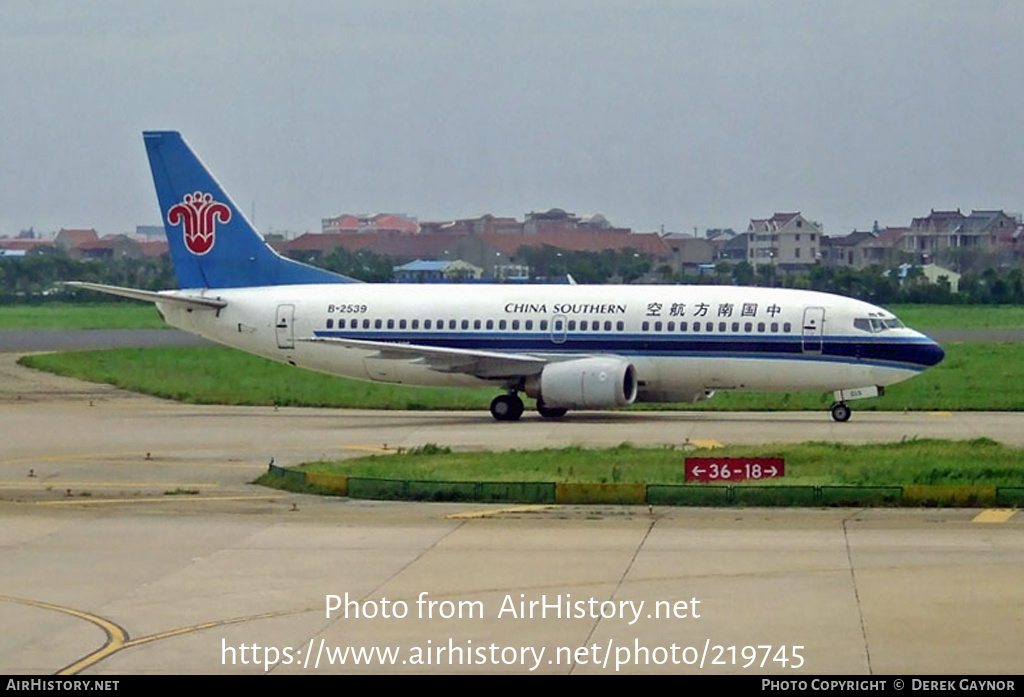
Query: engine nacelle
{"type": "Point", "coordinates": [585, 383]}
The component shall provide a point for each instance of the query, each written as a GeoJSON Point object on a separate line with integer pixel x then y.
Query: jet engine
{"type": "Point", "coordinates": [585, 383]}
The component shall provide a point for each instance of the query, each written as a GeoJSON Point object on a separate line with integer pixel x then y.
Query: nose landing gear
{"type": "Point", "coordinates": [841, 412]}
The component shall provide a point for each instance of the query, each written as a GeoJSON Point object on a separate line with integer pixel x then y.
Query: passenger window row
{"type": "Point", "coordinates": [542, 325]}
{"type": "Point", "coordinates": [438, 325]}
{"type": "Point", "coordinates": [477, 324]}
{"type": "Point", "coordinates": [734, 327]}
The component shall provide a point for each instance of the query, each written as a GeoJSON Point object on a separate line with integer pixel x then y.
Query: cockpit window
{"type": "Point", "coordinates": [874, 325]}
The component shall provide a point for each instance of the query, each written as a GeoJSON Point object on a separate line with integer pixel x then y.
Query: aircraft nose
{"type": "Point", "coordinates": [932, 353]}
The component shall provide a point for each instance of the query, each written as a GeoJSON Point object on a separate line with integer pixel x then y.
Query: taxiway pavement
{"type": "Point", "coordinates": [132, 542]}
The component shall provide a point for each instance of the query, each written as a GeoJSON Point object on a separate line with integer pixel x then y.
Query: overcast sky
{"type": "Point", "coordinates": [687, 113]}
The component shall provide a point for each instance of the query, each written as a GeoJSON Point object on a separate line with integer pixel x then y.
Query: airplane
{"type": "Point", "coordinates": [566, 346]}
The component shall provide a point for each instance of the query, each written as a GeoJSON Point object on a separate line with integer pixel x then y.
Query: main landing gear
{"type": "Point", "coordinates": [507, 407]}
{"type": "Point", "coordinates": [841, 412]}
{"type": "Point", "coordinates": [550, 412]}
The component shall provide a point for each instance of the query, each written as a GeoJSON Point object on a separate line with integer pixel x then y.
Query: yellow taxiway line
{"type": "Point", "coordinates": [69, 484]}
{"type": "Point", "coordinates": [117, 636]}
{"type": "Point", "coordinates": [469, 515]}
{"type": "Point", "coordinates": [87, 501]}
{"type": "Point", "coordinates": [995, 515]}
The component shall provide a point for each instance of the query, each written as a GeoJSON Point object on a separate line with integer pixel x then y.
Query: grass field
{"type": "Point", "coordinates": [216, 375]}
{"type": "Point", "coordinates": [929, 317]}
{"type": "Point", "coordinates": [929, 462]}
{"type": "Point", "coordinates": [127, 315]}
{"type": "Point", "coordinates": [973, 377]}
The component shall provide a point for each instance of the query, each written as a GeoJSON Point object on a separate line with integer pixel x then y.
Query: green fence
{"type": "Point", "coordinates": [1010, 495]}
{"type": "Point", "coordinates": [753, 495]}
{"type": "Point", "coordinates": [290, 476]}
{"type": "Point", "coordinates": [494, 492]}
{"type": "Point", "coordinates": [860, 495]}
{"type": "Point", "coordinates": [688, 495]}
{"type": "Point", "coordinates": [596, 493]}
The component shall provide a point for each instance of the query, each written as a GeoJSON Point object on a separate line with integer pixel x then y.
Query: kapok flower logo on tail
{"type": "Point", "coordinates": [200, 214]}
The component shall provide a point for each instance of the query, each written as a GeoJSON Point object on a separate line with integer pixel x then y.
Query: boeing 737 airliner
{"type": "Point", "coordinates": [566, 346]}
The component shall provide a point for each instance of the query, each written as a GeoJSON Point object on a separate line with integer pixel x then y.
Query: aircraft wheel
{"type": "Point", "coordinates": [550, 412]}
{"type": "Point", "coordinates": [841, 412]}
{"type": "Point", "coordinates": [506, 407]}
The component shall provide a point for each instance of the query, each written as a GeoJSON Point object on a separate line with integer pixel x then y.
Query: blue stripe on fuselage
{"type": "Point", "coordinates": [908, 353]}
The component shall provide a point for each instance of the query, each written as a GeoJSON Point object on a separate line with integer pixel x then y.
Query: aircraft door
{"type": "Point", "coordinates": [558, 329]}
{"type": "Point", "coordinates": [284, 326]}
{"type": "Point", "coordinates": [813, 328]}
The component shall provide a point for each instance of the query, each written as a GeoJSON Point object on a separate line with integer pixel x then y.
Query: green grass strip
{"type": "Point", "coordinates": [978, 462]}
{"type": "Point", "coordinates": [974, 377]}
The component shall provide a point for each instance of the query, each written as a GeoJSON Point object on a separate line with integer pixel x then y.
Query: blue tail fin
{"type": "Point", "coordinates": [212, 244]}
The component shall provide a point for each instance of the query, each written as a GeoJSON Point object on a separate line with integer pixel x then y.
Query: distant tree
{"type": "Point", "coordinates": [363, 265]}
{"type": "Point", "coordinates": [766, 275]}
{"type": "Point", "coordinates": [1015, 280]}
{"type": "Point", "coordinates": [743, 273]}
{"type": "Point", "coordinates": [631, 265]}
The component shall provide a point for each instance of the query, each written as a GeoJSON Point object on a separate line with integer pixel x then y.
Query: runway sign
{"type": "Point", "coordinates": [733, 469]}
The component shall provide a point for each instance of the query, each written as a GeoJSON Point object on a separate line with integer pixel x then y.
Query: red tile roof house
{"type": "Point", "coordinates": [20, 247]}
{"type": "Point", "coordinates": [850, 250]}
{"type": "Point", "coordinates": [361, 224]}
{"type": "Point", "coordinates": [108, 247]}
{"type": "Point", "coordinates": [69, 239]}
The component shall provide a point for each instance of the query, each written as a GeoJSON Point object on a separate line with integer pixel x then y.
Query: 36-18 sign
{"type": "Point", "coordinates": [733, 469]}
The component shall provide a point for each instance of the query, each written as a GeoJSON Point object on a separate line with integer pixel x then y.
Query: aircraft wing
{"type": "Point", "coordinates": [481, 364]}
{"type": "Point", "coordinates": [197, 301]}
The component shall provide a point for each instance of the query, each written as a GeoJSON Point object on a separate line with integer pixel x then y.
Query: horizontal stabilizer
{"type": "Point", "coordinates": [196, 301]}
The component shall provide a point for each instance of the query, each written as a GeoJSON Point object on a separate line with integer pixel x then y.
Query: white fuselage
{"type": "Point", "coordinates": [683, 340]}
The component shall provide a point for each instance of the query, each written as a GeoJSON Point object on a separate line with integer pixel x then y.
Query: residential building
{"type": "Point", "coordinates": [361, 224]}
{"type": "Point", "coordinates": [849, 250]}
{"type": "Point", "coordinates": [689, 252]}
{"type": "Point", "coordinates": [735, 248]}
{"type": "Point", "coordinates": [71, 239]}
{"type": "Point", "coordinates": [420, 271]}
{"type": "Point", "coordinates": [21, 247]}
{"type": "Point", "coordinates": [788, 241]}
{"type": "Point", "coordinates": [983, 238]}
{"type": "Point", "coordinates": [933, 273]}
